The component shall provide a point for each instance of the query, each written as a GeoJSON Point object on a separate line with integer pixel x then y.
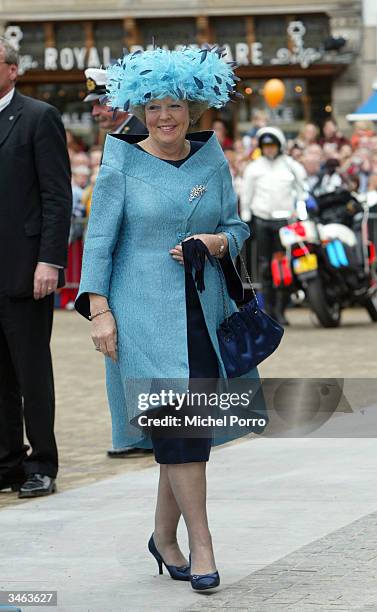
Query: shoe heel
{"type": "Point", "coordinates": [15, 487]}
{"type": "Point", "coordinates": [177, 573]}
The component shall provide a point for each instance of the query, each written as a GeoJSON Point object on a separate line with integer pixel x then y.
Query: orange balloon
{"type": "Point", "coordinates": [274, 92]}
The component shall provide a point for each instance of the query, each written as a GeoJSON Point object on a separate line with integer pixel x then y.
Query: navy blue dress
{"type": "Point", "coordinates": [202, 365]}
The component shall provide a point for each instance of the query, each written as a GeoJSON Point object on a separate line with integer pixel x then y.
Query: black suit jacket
{"type": "Point", "coordinates": [134, 126]}
{"type": "Point", "coordinates": [35, 193]}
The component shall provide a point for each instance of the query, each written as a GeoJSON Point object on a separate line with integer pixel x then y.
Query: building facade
{"type": "Point", "coordinates": [315, 48]}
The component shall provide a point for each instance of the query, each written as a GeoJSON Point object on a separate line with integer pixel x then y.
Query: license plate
{"type": "Point", "coordinates": [307, 263]}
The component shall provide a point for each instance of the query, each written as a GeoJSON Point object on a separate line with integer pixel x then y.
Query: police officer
{"type": "Point", "coordinates": [272, 185]}
{"type": "Point", "coordinates": [121, 123]}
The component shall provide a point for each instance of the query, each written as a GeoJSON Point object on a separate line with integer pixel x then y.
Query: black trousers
{"type": "Point", "coordinates": [266, 233]}
{"type": "Point", "coordinates": [26, 387]}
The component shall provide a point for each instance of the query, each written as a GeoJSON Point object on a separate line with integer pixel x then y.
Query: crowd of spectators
{"type": "Point", "coordinates": [330, 160]}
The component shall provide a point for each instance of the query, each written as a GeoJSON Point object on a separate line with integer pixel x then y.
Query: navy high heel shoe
{"type": "Point", "coordinates": [177, 573]}
{"type": "Point", "coordinates": [202, 582]}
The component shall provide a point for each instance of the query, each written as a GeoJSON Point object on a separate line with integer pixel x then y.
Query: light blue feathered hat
{"type": "Point", "coordinates": [194, 74]}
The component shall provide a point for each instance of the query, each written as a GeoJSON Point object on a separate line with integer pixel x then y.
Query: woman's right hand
{"type": "Point", "coordinates": [104, 335]}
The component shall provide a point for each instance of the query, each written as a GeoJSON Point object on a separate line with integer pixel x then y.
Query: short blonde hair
{"type": "Point", "coordinates": [196, 110]}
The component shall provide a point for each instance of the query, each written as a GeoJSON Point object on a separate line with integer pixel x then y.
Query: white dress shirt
{"type": "Point", "coordinates": [6, 100]}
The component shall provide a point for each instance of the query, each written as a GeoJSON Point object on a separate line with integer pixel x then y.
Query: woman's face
{"type": "Point", "coordinates": [167, 120]}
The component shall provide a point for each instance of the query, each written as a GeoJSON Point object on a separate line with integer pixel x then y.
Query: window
{"type": "Point", "coordinates": [69, 35]}
{"type": "Point", "coordinates": [168, 32]}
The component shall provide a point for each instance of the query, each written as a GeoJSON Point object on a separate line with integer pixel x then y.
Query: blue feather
{"type": "Point", "coordinates": [182, 74]}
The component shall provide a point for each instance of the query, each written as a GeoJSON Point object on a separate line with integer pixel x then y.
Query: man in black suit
{"type": "Point", "coordinates": [35, 212]}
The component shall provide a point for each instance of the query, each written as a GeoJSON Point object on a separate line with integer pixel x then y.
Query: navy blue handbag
{"type": "Point", "coordinates": [248, 336]}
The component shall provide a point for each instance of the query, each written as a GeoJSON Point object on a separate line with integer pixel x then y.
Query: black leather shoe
{"type": "Point", "coordinates": [128, 452]}
{"type": "Point", "coordinates": [10, 482]}
{"type": "Point", "coordinates": [37, 485]}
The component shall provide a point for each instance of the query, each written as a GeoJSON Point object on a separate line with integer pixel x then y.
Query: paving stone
{"type": "Point", "coordinates": [346, 582]}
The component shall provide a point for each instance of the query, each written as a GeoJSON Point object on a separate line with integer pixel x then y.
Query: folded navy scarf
{"type": "Point", "coordinates": [194, 257]}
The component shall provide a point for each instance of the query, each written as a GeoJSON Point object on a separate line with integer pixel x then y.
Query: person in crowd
{"type": "Point", "coordinates": [259, 119]}
{"type": "Point", "coordinates": [35, 212]}
{"type": "Point", "coordinates": [95, 155]}
{"type": "Point", "coordinates": [272, 184]}
{"type": "Point", "coordinates": [88, 191]}
{"type": "Point", "coordinates": [361, 162]}
{"type": "Point", "coordinates": [315, 149]}
{"type": "Point", "coordinates": [80, 159]}
{"type": "Point", "coordinates": [344, 156]}
{"type": "Point", "coordinates": [235, 170]}
{"type": "Point", "coordinates": [329, 178]}
{"type": "Point", "coordinates": [296, 151]}
{"type": "Point", "coordinates": [162, 204]}
{"type": "Point", "coordinates": [372, 143]}
{"type": "Point", "coordinates": [308, 135]}
{"type": "Point", "coordinates": [120, 122]}
{"type": "Point", "coordinates": [80, 176]}
{"type": "Point", "coordinates": [331, 134]}
{"type": "Point", "coordinates": [73, 144]}
{"type": "Point", "coordinates": [361, 129]}
{"type": "Point", "coordinates": [220, 128]}
{"type": "Point", "coordinates": [312, 166]}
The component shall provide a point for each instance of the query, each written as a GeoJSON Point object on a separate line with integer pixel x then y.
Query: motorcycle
{"type": "Point", "coordinates": [329, 255]}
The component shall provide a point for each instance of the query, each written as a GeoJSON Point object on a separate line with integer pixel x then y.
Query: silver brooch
{"type": "Point", "coordinates": [197, 191]}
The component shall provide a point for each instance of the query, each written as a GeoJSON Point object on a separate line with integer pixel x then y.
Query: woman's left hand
{"type": "Point", "coordinates": [210, 240]}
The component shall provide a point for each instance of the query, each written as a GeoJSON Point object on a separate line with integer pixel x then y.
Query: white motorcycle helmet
{"type": "Point", "coordinates": [271, 135]}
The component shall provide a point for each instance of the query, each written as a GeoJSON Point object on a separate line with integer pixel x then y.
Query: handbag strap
{"type": "Point", "coordinates": [221, 275]}
{"type": "Point", "coordinates": [244, 266]}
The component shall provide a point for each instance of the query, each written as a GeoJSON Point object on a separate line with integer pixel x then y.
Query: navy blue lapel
{"type": "Point", "coordinates": [197, 170]}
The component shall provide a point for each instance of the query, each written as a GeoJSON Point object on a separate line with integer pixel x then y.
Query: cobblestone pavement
{"type": "Point", "coordinates": [335, 573]}
{"type": "Point", "coordinates": [82, 419]}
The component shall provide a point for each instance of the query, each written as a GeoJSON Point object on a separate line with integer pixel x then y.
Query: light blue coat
{"type": "Point", "coordinates": [140, 209]}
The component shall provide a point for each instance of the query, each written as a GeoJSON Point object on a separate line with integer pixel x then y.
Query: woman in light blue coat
{"type": "Point", "coordinates": [162, 204]}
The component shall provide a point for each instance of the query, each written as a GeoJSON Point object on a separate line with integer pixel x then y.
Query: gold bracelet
{"type": "Point", "coordinates": [222, 245]}
{"type": "Point", "coordinates": [100, 312]}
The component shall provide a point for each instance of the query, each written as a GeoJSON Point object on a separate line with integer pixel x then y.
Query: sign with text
{"type": "Point", "coordinates": [79, 58]}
